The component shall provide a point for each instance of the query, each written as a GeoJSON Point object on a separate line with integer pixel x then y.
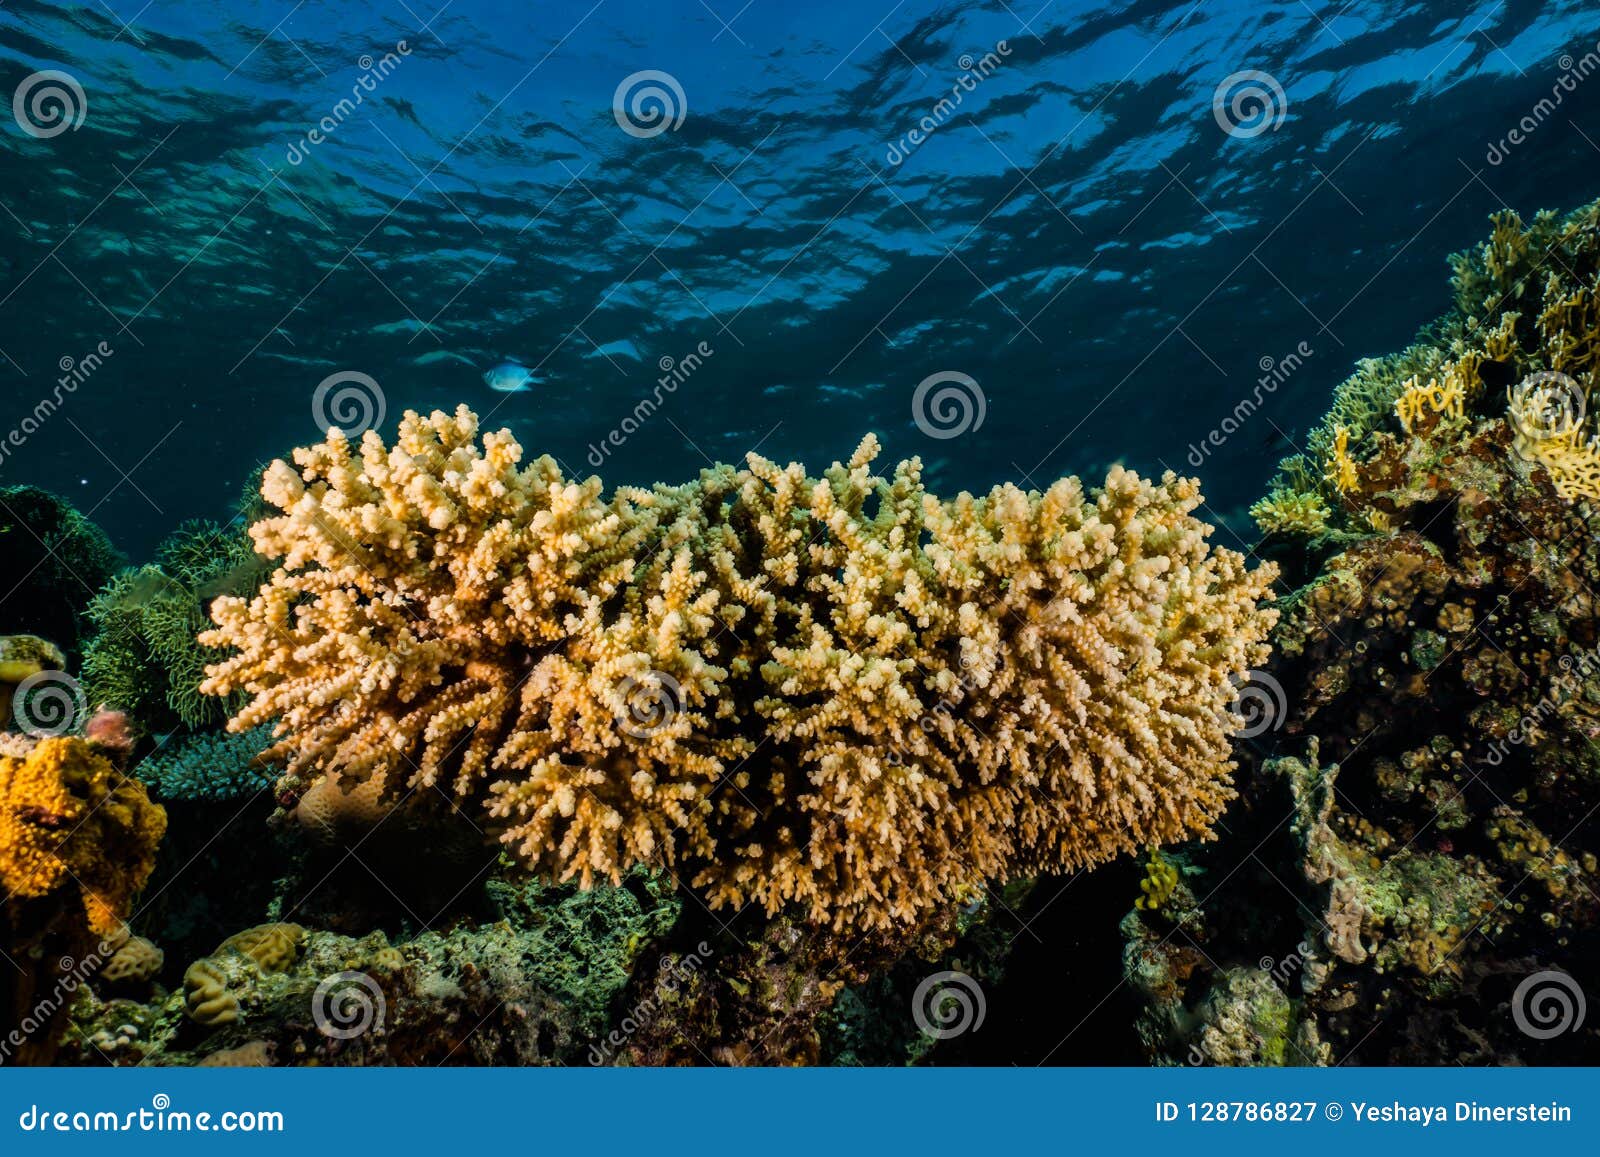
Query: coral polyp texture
{"type": "Point", "coordinates": [70, 821]}
{"type": "Point", "coordinates": [839, 693]}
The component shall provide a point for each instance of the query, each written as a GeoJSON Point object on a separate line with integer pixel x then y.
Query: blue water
{"type": "Point", "coordinates": [1079, 237]}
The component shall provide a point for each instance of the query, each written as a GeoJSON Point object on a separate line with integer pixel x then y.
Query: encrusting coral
{"type": "Point", "coordinates": [77, 842]}
{"type": "Point", "coordinates": [840, 693]}
{"type": "Point", "coordinates": [70, 820]}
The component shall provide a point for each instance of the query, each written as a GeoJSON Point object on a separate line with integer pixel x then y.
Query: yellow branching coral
{"type": "Point", "coordinates": [1546, 414]}
{"type": "Point", "coordinates": [1416, 401]}
{"type": "Point", "coordinates": [70, 820]}
{"type": "Point", "coordinates": [839, 693]}
{"type": "Point", "coordinates": [1341, 469]}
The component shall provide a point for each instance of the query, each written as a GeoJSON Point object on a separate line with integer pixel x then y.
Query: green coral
{"type": "Point", "coordinates": [209, 766]}
{"type": "Point", "coordinates": [55, 559]}
{"type": "Point", "coordinates": [144, 658]}
{"type": "Point", "coordinates": [1160, 881]}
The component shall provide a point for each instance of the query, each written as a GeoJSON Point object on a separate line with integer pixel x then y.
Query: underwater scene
{"type": "Point", "coordinates": [702, 533]}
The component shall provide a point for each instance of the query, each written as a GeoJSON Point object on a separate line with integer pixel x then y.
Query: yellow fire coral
{"type": "Point", "coordinates": [840, 693]}
{"type": "Point", "coordinates": [1341, 470]}
{"type": "Point", "coordinates": [1416, 401]}
{"type": "Point", "coordinates": [69, 819]}
{"type": "Point", "coordinates": [1546, 413]}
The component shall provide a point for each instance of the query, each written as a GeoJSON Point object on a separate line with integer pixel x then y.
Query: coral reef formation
{"type": "Point", "coordinates": [77, 842]}
{"type": "Point", "coordinates": [840, 693]}
{"type": "Point", "coordinates": [1442, 687]}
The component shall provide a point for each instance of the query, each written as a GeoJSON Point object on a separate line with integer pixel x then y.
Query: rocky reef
{"type": "Point", "coordinates": [1411, 874]}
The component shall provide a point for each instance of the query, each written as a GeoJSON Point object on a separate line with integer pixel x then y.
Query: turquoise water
{"type": "Point", "coordinates": [1053, 210]}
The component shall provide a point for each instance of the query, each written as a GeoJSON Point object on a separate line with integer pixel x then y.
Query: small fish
{"type": "Point", "coordinates": [510, 378]}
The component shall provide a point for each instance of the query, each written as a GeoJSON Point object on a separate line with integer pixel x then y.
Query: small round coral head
{"type": "Point", "coordinates": [511, 378]}
{"type": "Point", "coordinates": [24, 656]}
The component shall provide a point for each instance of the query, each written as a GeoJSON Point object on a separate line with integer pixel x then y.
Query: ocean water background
{"type": "Point", "coordinates": [1052, 212]}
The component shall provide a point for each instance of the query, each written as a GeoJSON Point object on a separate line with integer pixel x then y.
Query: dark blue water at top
{"type": "Point", "coordinates": [819, 207]}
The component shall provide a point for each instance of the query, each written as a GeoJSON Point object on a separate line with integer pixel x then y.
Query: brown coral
{"type": "Point", "coordinates": [837, 692]}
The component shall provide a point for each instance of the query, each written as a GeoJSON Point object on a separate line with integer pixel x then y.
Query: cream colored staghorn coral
{"type": "Point", "coordinates": [839, 693]}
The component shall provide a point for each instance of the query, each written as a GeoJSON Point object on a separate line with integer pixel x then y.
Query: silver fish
{"type": "Point", "coordinates": [510, 378]}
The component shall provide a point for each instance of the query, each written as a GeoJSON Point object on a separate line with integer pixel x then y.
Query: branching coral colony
{"type": "Point", "coordinates": [839, 693]}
